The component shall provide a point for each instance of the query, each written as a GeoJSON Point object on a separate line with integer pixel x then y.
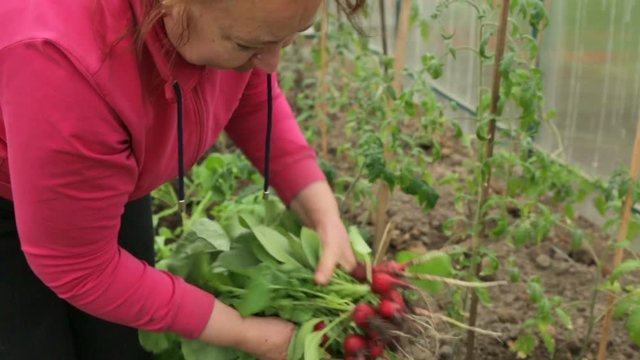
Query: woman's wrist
{"type": "Point", "coordinates": [267, 338]}
{"type": "Point", "coordinates": [226, 327]}
{"type": "Point", "coordinates": [316, 206]}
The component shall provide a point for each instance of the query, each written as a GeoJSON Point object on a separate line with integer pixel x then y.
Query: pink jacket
{"type": "Point", "coordinates": [86, 126]}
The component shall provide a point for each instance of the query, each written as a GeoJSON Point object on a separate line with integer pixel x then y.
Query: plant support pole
{"type": "Point", "coordinates": [322, 104]}
{"type": "Point", "coordinates": [622, 235]}
{"type": "Point", "coordinates": [383, 28]}
{"type": "Point", "coordinates": [384, 192]}
{"type": "Point", "coordinates": [488, 154]}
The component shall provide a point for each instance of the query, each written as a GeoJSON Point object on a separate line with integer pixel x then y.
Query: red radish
{"type": "Point", "coordinates": [382, 283]}
{"type": "Point", "coordinates": [354, 357]}
{"type": "Point", "coordinates": [362, 314]}
{"type": "Point", "coordinates": [360, 272]}
{"type": "Point", "coordinates": [354, 344]}
{"type": "Point", "coordinates": [395, 296]}
{"type": "Point", "coordinates": [389, 309]}
{"type": "Point", "coordinates": [375, 348]}
{"type": "Point", "coordinates": [319, 326]}
{"type": "Point", "coordinates": [391, 267]}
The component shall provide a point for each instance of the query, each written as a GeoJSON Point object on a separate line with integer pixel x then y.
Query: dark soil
{"type": "Point", "coordinates": [563, 273]}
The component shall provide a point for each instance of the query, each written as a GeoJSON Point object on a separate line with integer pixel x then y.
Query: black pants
{"type": "Point", "coordinates": [37, 325]}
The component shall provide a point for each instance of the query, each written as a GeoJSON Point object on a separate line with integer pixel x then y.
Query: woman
{"type": "Point", "coordinates": [100, 103]}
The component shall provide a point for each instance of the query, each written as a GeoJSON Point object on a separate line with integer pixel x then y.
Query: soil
{"type": "Point", "coordinates": [563, 273]}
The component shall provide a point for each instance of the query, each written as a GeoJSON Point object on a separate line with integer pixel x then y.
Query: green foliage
{"type": "Point", "coordinates": [258, 255]}
{"type": "Point", "coordinates": [432, 263]}
{"type": "Point", "coordinates": [261, 263]}
{"type": "Point", "coordinates": [544, 325]}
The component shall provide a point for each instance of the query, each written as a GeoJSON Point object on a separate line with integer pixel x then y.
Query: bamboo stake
{"type": "Point", "coordinates": [321, 106]}
{"type": "Point", "coordinates": [384, 193]}
{"type": "Point", "coordinates": [622, 235]}
{"type": "Point", "coordinates": [488, 154]}
{"type": "Point", "coordinates": [383, 28]}
{"type": "Point", "coordinates": [383, 245]}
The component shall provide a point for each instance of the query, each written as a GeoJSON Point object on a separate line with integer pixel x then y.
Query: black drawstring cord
{"type": "Point", "coordinates": [267, 152]}
{"type": "Point", "coordinates": [267, 160]}
{"type": "Point", "coordinates": [181, 204]}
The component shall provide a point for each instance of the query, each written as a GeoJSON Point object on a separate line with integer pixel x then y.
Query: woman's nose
{"type": "Point", "coordinates": [269, 58]}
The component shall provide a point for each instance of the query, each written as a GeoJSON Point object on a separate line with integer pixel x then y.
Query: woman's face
{"type": "Point", "coordinates": [238, 34]}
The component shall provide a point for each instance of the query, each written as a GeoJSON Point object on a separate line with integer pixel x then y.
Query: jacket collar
{"type": "Point", "coordinates": [170, 64]}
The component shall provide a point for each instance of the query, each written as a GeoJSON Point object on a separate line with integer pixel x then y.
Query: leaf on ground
{"type": "Point", "coordinates": [565, 319]}
{"type": "Point", "coordinates": [524, 346]}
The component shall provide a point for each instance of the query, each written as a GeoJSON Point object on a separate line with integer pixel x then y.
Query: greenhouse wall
{"type": "Point", "coordinates": [590, 57]}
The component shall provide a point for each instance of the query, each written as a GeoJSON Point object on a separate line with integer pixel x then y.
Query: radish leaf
{"type": "Point", "coordinates": [196, 350]}
{"type": "Point", "coordinates": [212, 232]}
{"type": "Point", "coordinates": [312, 347]}
{"type": "Point", "coordinates": [360, 246]}
{"type": "Point", "coordinates": [258, 294]}
{"type": "Point", "coordinates": [156, 342]}
{"type": "Point", "coordinates": [432, 263]}
{"type": "Point", "coordinates": [297, 346]}
{"type": "Point", "coordinates": [275, 244]}
{"type": "Point", "coordinates": [310, 245]}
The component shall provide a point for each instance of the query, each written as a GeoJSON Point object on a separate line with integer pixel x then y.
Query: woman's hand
{"type": "Point", "coordinates": [267, 338]}
{"type": "Point", "coordinates": [317, 208]}
{"type": "Point", "coordinates": [336, 250]}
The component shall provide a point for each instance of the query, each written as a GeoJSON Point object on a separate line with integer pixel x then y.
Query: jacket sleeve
{"type": "Point", "coordinates": [293, 161]}
{"type": "Point", "coordinates": [72, 170]}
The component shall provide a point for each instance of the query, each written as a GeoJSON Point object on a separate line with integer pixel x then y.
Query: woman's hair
{"type": "Point", "coordinates": [154, 10]}
{"type": "Point", "coordinates": [350, 7]}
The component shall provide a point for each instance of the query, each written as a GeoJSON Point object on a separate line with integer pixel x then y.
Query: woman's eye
{"type": "Point", "coordinates": [245, 48]}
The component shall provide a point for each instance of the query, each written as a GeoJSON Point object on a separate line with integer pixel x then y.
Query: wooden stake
{"type": "Point", "coordinates": [321, 106]}
{"type": "Point", "coordinates": [384, 193]}
{"type": "Point", "coordinates": [488, 154]}
{"type": "Point", "coordinates": [622, 235]}
{"type": "Point", "coordinates": [383, 245]}
{"type": "Point", "coordinates": [383, 28]}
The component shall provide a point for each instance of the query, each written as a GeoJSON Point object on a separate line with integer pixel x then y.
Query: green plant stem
{"type": "Point", "coordinates": [486, 182]}
{"type": "Point", "coordinates": [348, 192]}
{"type": "Point", "coordinates": [310, 292]}
{"type": "Point", "coordinates": [198, 212]}
{"type": "Point", "coordinates": [467, 48]}
{"type": "Point", "coordinates": [318, 304]}
{"type": "Point", "coordinates": [592, 316]}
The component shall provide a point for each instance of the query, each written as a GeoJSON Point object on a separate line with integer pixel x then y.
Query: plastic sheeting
{"type": "Point", "coordinates": [590, 57]}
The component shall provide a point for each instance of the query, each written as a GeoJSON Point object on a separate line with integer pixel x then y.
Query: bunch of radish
{"type": "Point", "coordinates": [374, 321]}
